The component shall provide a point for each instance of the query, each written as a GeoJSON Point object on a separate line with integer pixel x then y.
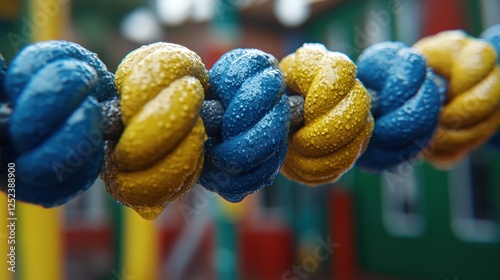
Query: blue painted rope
{"type": "Point", "coordinates": [56, 132]}
{"type": "Point", "coordinates": [251, 147]}
{"type": "Point", "coordinates": [55, 128]}
{"type": "Point", "coordinates": [405, 104]}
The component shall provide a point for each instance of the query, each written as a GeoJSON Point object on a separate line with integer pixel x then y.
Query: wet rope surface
{"type": "Point", "coordinates": [169, 123]}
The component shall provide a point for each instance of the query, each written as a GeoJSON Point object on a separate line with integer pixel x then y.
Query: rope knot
{"type": "Point", "coordinates": [55, 127]}
{"type": "Point", "coordinates": [251, 147]}
{"type": "Point", "coordinates": [337, 118]}
{"type": "Point", "coordinates": [159, 156]}
{"type": "Point", "coordinates": [471, 113]}
{"type": "Point", "coordinates": [405, 104]}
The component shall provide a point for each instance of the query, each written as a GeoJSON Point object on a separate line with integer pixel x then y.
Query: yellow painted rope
{"type": "Point", "coordinates": [337, 118]}
{"type": "Point", "coordinates": [159, 156]}
{"type": "Point", "coordinates": [471, 114]}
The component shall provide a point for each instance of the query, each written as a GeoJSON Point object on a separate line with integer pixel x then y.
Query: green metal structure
{"type": "Point", "coordinates": [447, 228]}
{"type": "Point", "coordinates": [418, 222]}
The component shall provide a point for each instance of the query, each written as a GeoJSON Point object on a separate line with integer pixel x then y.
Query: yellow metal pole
{"type": "Point", "coordinates": [39, 233]}
{"type": "Point", "coordinates": [141, 259]}
{"type": "Point", "coordinates": [40, 248]}
{"type": "Point", "coordinates": [47, 19]}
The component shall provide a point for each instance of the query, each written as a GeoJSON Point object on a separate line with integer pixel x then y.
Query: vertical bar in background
{"type": "Point", "coordinates": [226, 30]}
{"type": "Point", "coordinates": [473, 16]}
{"type": "Point", "coordinates": [489, 13]}
{"type": "Point", "coordinates": [40, 242]}
{"type": "Point", "coordinates": [10, 11]}
{"type": "Point", "coordinates": [442, 15]}
{"type": "Point", "coordinates": [308, 225]}
{"type": "Point", "coordinates": [227, 252]}
{"type": "Point", "coordinates": [118, 227]}
{"type": "Point", "coordinates": [10, 27]}
{"type": "Point", "coordinates": [226, 24]}
{"type": "Point", "coordinates": [343, 235]}
{"type": "Point", "coordinates": [39, 232]}
{"type": "Point", "coordinates": [407, 21]}
{"type": "Point", "coordinates": [140, 247]}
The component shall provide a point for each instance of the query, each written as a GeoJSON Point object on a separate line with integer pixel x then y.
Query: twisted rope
{"type": "Point", "coordinates": [58, 102]}
{"type": "Point", "coordinates": [471, 113]}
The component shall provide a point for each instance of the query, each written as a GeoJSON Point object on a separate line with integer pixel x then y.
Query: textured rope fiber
{"type": "Point", "coordinates": [337, 118]}
{"type": "Point", "coordinates": [250, 149]}
{"type": "Point", "coordinates": [58, 102]}
{"type": "Point", "coordinates": [471, 113]}
{"type": "Point", "coordinates": [405, 104]}
{"type": "Point", "coordinates": [54, 129]}
{"type": "Point", "coordinates": [159, 156]}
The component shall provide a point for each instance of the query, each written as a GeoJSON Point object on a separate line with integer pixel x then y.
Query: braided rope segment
{"type": "Point", "coordinates": [471, 113]}
{"type": "Point", "coordinates": [405, 104]}
{"type": "Point", "coordinates": [57, 143]}
{"type": "Point", "coordinates": [337, 119]}
{"type": "Point", "coordinates": [492, 35]}
{"type": "Point", "coordinates": [159, 156]}
{"type": "Point", "coordinates": [250, 149]}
